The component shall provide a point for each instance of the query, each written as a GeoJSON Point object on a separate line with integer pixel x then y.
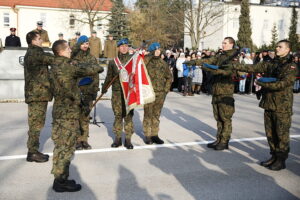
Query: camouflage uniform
{"type": "Point", "coordinates": [222, 93]}
{"type": "Point", "coordinates": [37, 92]}
{"type": "Point", "coordinates": [277, 101]}
{"type": "Point", "coordinates": [117, 100]}
{"type": "Point", "coordinates": [88, 92]}
{"type": "Point", "coordinates": [66, 110]}
{"type": "Point", "coordinates": [161, 79]}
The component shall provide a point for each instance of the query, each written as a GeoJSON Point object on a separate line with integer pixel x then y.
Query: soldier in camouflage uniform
{"type": "Point", "coordinates": [117, 100]}
{"type": "Point", "coordinates": [37, 93]}
{"type": "Point", "coordinates": [161, 79]}
{"type": "Point", "coordinates": [277, 101]}
{"type": "Point", "coordinates": [66, 112]}
{"type": "Point", "coordinates": [222, 92]}
{"type": "Point", "coordinates": [81, 53]}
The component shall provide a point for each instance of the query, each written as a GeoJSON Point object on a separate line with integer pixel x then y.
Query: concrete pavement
{"type": "Point", "coordinates": [181, 169]}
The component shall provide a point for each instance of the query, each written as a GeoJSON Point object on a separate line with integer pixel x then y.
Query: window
{"type": "Point", "coordinates": [6, 19]}
{"type": "Point", "coordinates": [99, 24]}
{"type": "Point", "coordinates": [72, 21]}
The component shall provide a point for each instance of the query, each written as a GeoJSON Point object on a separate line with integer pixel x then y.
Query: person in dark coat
{"type": "Point", "coordinates": [12, 40]}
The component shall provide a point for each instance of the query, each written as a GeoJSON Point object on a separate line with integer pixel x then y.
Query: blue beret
{"type": "Point", "coordinates": [85, 81]}
{"type": "Point", "coordinates": [211, 66]}
{"type": "Point", "coordinates": [82, 39]}
{"type": "Point", "coordinates": [154, 46]}
{"type": "Point", "coordinates": [267, 79]}
{"type": "Point", "coordinates": [122, 41]}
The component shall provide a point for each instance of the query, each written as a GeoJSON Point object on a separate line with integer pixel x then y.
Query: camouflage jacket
{"type": "Point", "coordinates": [222, 79]}
{"type": "Point", "coordinates": [159, 73]}
{"type": "Point", "coordinates": [86, 57]}
{"type": "Point", "coordinates": [66, 92]}
{"type": "Point", "coordinates": [36, 74]}
{"type": "Point", "coordinates": [277, 96]}
{"type": "Point", "coordinates": [113, 71]}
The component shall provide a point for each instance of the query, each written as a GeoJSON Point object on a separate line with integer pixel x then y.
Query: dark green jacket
{"type": "Point", "coordinates": [113, 70]}
{"type": "Point", "coordinates": [86, 57]}
{"type": "Point", "coordinates": [36, 74]}
{"type": "Point", "coordinates": [222, 79]}
{"type": "Point", "coordinates": [159, 73]}
{"type": "Point", "coordinates": [66, 92]}
{"type": "Point", "coordinates": [277, 96]}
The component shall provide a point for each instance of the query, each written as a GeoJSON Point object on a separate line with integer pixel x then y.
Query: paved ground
{"type": "Point", "coordinates": [182, 169]}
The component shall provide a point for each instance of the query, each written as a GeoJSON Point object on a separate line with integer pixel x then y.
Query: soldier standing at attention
{"type": "Point", "coordinates": [95, 45]}
{"type": "Point", "coordinates": [12, 40]}
{"type": "Point", "coordinates": [117, 100]}
{"type": "Point", "coordinates": [110, 48]}
{"type": "Point", "coordinates": [81, 53]}
{"type": "Point", "coordinates": [74, 40]}
{"type": "Point", "coordinates": [222, 92]}
{"type": "Point", "coordinates": [43, 33]}
{"type": "Point", "coordinates": [37, 93]}
{"type": "Point", "coordinates": [277, 101]}
{"type": "Point", "coordinates": [161, 79]}
{"type": "Point", "coordinates": [66, 112]}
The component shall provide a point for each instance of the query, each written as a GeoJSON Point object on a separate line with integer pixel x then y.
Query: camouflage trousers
{"type": "Point", "coordinates": [277, 127]}
{"type": "Point", "coordinates": [64, 135]}
{"type": "Point", "coordinates": [152, 113]}
{"type": "Point", "coordinates": [223, 108]}
{"type": "Point", "coordinates": [119, 109]}
{"type": "Point", "coordinates": [84, 120]}
{"type": "Point", "coordinates": [36, 120]}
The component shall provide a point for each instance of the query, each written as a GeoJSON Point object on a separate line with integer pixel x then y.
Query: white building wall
{"type": "Point", "coordinates": [55, 21]}
{"type": "Point", "coordinates": [262, 20]}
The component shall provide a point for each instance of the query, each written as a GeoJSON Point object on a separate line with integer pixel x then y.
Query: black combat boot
{"type": "Point", "coordinates": [37, 157]}
{"type": "Point", "coordinates": [85, 145]}
{"type": "Point", "coordinates": [157, 140]}
{"type": "Point", "coordinates": [279, 163]}
{"type": "Point", "coordinates": [128, 144]}
{"type": "Point", "coordinates": [63, 185]}
{"type": "Point", "coordinates": [213, 144]}
{"type": "Point", "coordinates": [117, 142]}
{"type": "Point", "coordinates": [268, 162]}
{"type": "Point", "coordinates": [148, 140]}
{"type": "Point", "coordinates": [221, 146]}
{"type": "Point", "coordinates": [79, 146]}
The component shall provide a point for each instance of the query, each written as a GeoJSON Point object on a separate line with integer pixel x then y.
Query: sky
{"type": "Point", "coordinates": [129, 3]}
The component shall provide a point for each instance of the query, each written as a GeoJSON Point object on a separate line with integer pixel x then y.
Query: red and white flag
{"type": "Point", "coordinates": [135, 82]}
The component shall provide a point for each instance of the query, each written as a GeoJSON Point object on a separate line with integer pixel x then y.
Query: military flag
{"type": "Point", "coordinates": [135, 82]}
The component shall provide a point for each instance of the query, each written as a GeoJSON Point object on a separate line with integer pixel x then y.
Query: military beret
{"type": "Point", "coordinates": [267, 79]}
{"type": "Point", "coordinates": [12, 29]}
{"type": "Point", "coordinates": [85, 81]}
{"type": "Point", "coordinates": [82, 39]}
{"type": "Point", "coordinates": [211, 66]}
{"type": "Point", "coordinates": [122, 41]}
{"type": "Point", "coordinates": [39, 23]}
{"type": "Point", "coordinates": [154, 46]}
{"type": "Point", "coordinates": [77, 33]}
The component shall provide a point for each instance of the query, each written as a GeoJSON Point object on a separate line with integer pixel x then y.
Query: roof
{"type": "Point", "coordinates": [103, 5]}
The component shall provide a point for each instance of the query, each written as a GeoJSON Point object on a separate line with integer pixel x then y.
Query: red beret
{"type": "Point", "coordinates": [12, 29]}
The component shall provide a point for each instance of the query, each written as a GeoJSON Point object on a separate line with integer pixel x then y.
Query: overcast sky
{"type": "Point", "coordinates": [129, 2]}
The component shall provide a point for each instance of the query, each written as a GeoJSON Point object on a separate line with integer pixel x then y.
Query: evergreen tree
{"type": "Point", "coordinates": [245, 32]}
{"type": "Point", "coordinates": [274, 37]}
{"type": "Point", "coordinates": [293, 38]}
{"type": "Point", "coordinates": [118, 22]}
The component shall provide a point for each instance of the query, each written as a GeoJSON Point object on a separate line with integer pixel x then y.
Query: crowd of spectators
{"type": "Point", "coordinates": [193, 80]}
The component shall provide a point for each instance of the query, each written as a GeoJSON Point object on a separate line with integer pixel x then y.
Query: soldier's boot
{"type": "Point", "coordinates": [79, 145]}
{"type": "Point", "coordinates": [117, 142]}
{"type": "Point", "coordinates": [86, 145]}
{"type": "Point", "coordinates": [191, 94]}
{"type": "Point", "coordinates": [279, 163]}
{"type": "Point", "coordinates": [213, 144]}
{"type": "Point", "coordinates": [148, 140]}
{"type": "Point", "coordinates": [221, 146]}
{"type": "Point", "coordinates": [268, 162]}
{"type": "Point", "coordinates": [128, 144]}
{"type": "Point", "coordinates": [37, 157]}
{"type": "Point", "coordinates": [157, 140]}
{"type": "Point", "coordinates": [63, 185]}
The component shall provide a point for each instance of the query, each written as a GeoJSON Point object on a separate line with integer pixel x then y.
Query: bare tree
{"type": "Point", "coordinates": [201, 18]}
{"type": "Point", "coordinates": [91, 11]}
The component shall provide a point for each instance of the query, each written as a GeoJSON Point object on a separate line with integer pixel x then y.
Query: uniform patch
{"type": "Point", "coordinates": [293, 67]}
